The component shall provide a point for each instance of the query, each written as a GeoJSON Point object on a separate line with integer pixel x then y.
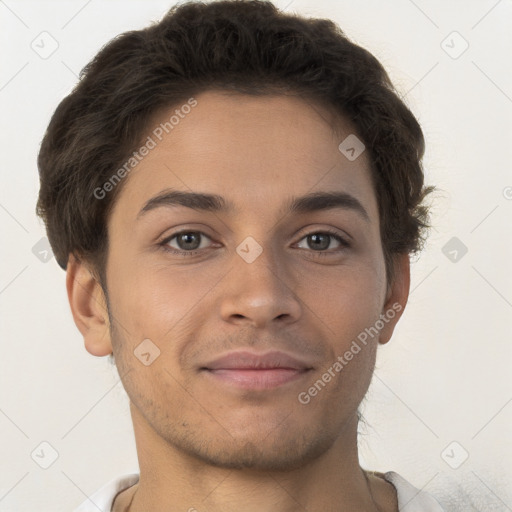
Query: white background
{"type": "Point", "coordinates": [444, 377]}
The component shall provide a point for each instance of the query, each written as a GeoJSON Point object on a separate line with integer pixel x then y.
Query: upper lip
{"type": "Point", "coordinates": [249, 360]}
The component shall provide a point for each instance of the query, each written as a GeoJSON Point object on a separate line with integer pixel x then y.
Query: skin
{"type": "Point", "coordinates": [210, 446]}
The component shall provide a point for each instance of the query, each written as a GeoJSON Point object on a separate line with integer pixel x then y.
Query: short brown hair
{"type": "Point", "coordinates": [247, 46]}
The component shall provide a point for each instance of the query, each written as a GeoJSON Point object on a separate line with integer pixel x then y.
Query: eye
{"type": "Point", "coordinates": [321, 240]}
{"type": "Point", "coordinates": [189, 242]}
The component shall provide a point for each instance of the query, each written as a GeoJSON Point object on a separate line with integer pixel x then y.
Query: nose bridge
{"type": "Point", "coordinates": [259, 288]}
{"type": "Point", "coordinates": [259, 264]}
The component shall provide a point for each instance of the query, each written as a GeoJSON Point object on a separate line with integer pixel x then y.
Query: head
{"type": "Point", "coordinates": [309, 192]}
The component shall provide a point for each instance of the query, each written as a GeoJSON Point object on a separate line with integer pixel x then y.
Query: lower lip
{"type": "Point", "coordinates": [257, 379]}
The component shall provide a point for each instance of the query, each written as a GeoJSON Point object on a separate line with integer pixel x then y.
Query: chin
{"type": "Point", "coordinates": [259, 452]}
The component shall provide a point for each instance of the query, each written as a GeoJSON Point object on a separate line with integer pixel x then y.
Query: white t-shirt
{"type": "Point", "coordinates": [410, 499]}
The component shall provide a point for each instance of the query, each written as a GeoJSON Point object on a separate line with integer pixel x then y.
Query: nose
{"type": "Point", "coordinates": [260, 293]}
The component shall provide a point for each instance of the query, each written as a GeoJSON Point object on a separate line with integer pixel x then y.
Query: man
{"type": "Point", "coordinates": [234, 193]}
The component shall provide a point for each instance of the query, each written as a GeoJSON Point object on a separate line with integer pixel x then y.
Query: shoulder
{"type": "Point", "coordinates": [410, 498]}
{"type": "Point", "coordinates": [102, 499]}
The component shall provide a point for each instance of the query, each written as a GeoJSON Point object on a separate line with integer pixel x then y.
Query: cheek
{"type": "Point", "coordinates": [347, 300]}
{"type": "Point", "coordinates": [352, 314]}
{"type": "Point", "coordinates": [356, 312]}
{"type": "Point", "coordinates": [157, 302]}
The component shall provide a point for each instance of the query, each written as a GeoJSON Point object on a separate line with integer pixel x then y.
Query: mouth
{"type": "Point", "coordinates": [256, 379]}
{"type": "Point", "coordinates": [248, 370]}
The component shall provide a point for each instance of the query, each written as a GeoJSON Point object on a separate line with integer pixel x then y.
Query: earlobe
{"type": "Point", "coordinates": [89, 307]}
{"type": "Point", "coordinates": [397, 297]}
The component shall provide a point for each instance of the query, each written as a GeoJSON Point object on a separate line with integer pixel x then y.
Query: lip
{"type": "Point", "coordinates": [245, 360]}
{"type": "Point", "coordinates": [249, 370]}
{"type": "Point", "coordinates": [257, 380]}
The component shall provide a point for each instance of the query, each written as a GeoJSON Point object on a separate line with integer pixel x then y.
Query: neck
{"type": "Point", "coordinates": [173, 480]}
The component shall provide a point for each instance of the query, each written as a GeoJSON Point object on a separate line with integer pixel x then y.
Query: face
{"type": "Point", "coordinates": [253, 276]}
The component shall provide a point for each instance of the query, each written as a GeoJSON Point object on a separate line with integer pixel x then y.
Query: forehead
{"type": "Point", "coordinates": [253, 150]}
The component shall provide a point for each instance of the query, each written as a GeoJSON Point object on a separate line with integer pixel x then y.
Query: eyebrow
{"type": "Point", "coordinates": [309, 203]}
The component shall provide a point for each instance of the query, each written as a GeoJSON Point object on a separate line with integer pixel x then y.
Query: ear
{"type": "Point", "coordinates": [396, 298]}
{"type": "Point", "coordinates": [89, 307]}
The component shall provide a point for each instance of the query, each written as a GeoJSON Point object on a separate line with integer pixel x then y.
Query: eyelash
{"type": "Point", "coordinates": [344, 244]}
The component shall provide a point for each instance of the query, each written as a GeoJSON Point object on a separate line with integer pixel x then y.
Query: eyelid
{"type": "Point", "coordinates": [165, 238]}
{"type": "Point", "coordinates": [326, 230]}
